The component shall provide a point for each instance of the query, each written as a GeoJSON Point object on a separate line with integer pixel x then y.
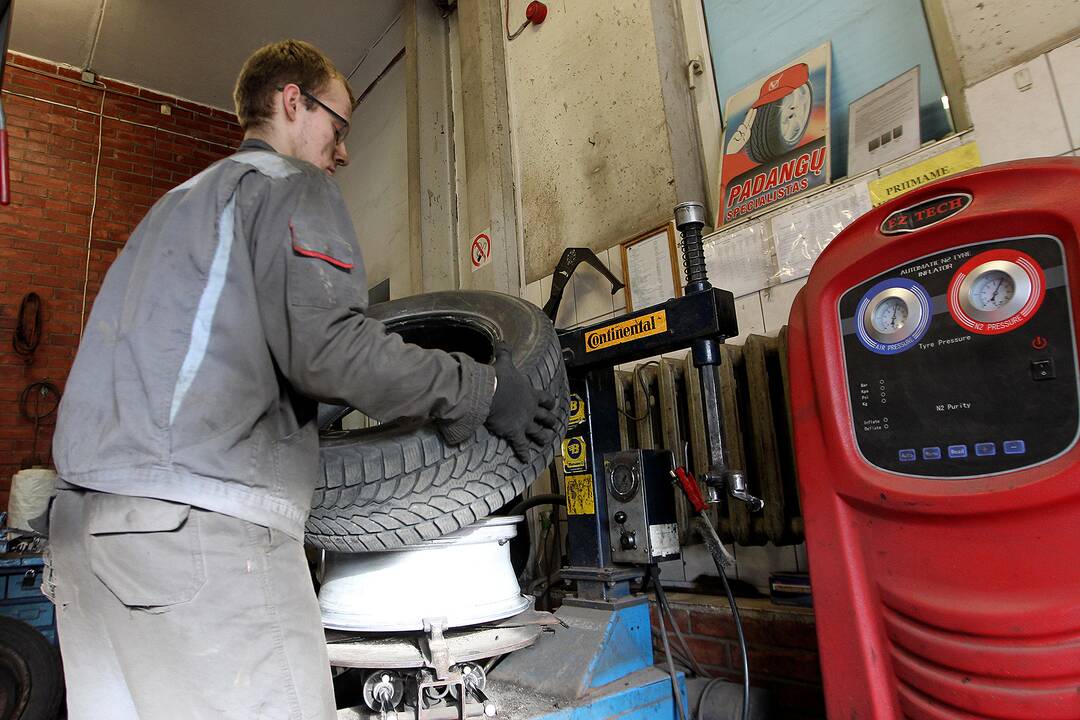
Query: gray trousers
{"type": "Point", "coordinates": [168, 611]}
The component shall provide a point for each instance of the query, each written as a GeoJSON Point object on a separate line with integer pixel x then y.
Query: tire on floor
{"type": "Point", "coordinates": [399, 483]}
{"type": "Point", "coordinates": [31, 677]}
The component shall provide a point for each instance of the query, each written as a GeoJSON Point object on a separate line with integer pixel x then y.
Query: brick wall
{"type": "Point", "coordinates": [44, 233]}
{"type": "Point", "coordinates": [782, 652]}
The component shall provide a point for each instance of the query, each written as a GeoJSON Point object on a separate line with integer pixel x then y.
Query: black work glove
{"type": "Point", "coordinates": [518, 412]}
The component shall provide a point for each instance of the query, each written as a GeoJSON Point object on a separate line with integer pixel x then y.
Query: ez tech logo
{"type": "Point", "coordinates": [924, 214]}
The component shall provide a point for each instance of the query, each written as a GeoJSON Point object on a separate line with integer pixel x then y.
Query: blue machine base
{"type": "Point", "coordinates": [600, 665]}
{"type": "Point", "coordinates": [643, 694]}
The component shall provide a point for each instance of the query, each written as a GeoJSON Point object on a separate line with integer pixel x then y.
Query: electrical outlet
{"type": "Point", "coordinates": [166, 109]}
{"type": "Point", "coordinates": [89, 77]}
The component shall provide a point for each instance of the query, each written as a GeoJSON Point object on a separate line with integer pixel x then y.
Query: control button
{"type": "Point", "coordinates": [985, 449]}
{"type": "Point", "coordinates": [931, 453]}
{"type": "Point", "coordinates": [620, 517]}
{"type": "Point", "coordinates": [907, 455]}
{"type": "Point", "coordinates": [958, 451]}
{"type": "Point", "coordinates": [1039, 343]}
{"type": "Point", "coordinates": [1014, 447]}
{"type": "Point", "coordinates": [628, 541]}
{"type": "Point", "coordinates": [1043, 369]}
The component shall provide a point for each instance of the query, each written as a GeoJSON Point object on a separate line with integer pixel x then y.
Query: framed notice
{"type": "Point", "coordinates": [650, 268]}
{"type": "Point", "coordinates": [883, 125]}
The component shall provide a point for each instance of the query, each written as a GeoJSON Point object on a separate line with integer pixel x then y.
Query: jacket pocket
{"type": "Point", "coordinates": [147, 552]}
{"type": "Point", "coordinates": [319, 269]}
{"type": "Point", "coordinates": [296, 462]}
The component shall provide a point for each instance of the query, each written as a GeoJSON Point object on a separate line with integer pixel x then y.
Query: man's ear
{"type": "Point", "coordinates": [290, 101]}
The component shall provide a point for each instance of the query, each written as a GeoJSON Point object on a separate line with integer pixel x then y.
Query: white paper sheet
{"type": "Point", "coordinates": [801, 233]}
{"type": "Point", "coordinates": [884, 123]}
{"type": "Point", "coordinates": [741, 260]}
{"type": "Point", "coordinates": [648, 265]}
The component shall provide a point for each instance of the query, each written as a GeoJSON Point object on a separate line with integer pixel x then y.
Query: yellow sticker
{"type": "Point", "coordinates": [574, 455]}
{"type": "Point", "coordinates": [640, 327]}
{"type": "Point", "coordinates": [577, 410]}
{"type": "Point", "coordinates": [947, 163]}
{"type": "Point", "coordinates": [579, 495]}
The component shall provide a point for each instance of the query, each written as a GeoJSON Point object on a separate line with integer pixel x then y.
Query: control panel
{"type": "Point", "coordinates": [963, 363]}
{"type": "Point", "coordinates": [641, 506]}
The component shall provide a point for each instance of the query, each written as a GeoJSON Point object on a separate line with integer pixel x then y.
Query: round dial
{"type": "Point", "coordinates": [992, 290]}
{"type": "Point", "coordinates": [890, 315]}
{"type": "Point", "coordinates": [893, 315]}
{"type": "Point", "coordinates": [623, 482]}
{"type": "Point", "coordinates": [996, 291]}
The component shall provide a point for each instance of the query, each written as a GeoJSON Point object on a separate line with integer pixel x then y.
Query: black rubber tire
{"type": "Point", "coordinates": [31, 677]}
{"type": "Point", "coordinates": [399, 484]}
{"type": "Point", "coordinates": [767, 142]}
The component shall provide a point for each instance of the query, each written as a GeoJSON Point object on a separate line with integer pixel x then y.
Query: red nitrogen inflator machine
{"type": "Point", "coordinates": [933, 368]}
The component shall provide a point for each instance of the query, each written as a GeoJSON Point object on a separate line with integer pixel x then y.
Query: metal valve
{"type": "Point", "coordinates": [475, 680]}
{"type": "Point", "coordinates": [383, 690]}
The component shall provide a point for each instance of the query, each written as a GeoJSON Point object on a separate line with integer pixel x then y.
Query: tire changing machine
{"type": "Point", "coordinates": [620, 507]}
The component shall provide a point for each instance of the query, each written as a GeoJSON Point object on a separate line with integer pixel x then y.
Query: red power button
{"type": "Point", "coordinates": [1039, 343]}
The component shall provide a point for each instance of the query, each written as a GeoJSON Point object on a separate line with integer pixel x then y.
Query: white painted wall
{"type": "Point", "coordinates": [602, 136]}
{"type": "Point", "coordinates": [375, 185]}
{"type": "Point", "coordinates": [1030, 110]}
{"type": "Point", "coordinates": [993, 35]}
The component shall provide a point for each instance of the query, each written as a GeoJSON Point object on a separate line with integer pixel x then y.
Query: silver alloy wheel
{"type": "Point", "coordinates": [795, 113]}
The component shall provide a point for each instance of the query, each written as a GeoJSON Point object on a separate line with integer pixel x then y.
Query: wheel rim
{"type": "Point", "coordinates": [795, 113]}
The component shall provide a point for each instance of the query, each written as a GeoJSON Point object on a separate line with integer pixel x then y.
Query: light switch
{"type": "Point", "coordinates": [1023, 79]}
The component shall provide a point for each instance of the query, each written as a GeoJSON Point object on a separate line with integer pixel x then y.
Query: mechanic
{"type": "Point", "coordinates": [186, 441]}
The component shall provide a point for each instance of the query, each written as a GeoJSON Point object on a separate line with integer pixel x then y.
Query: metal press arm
{"type": "Point", "coordinates": [690, 219]}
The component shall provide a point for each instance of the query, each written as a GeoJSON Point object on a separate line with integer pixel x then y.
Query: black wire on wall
{"type": "Point", "coordinates": [28, 327]}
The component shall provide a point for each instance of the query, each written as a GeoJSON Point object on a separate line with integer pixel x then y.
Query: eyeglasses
{"type": "Point", "coordinates": [341, 125]}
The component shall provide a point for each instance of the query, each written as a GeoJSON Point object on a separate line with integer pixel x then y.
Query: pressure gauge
{"type": "Point", "coordinates": [996, 291]}
{"type": "Point", "coordinates": [890, 315]}
{"type": "Point", "coordinates": [623, 482]}
{"type": "Point", "coordinates": [992, 290]}
{"type": "Point", "coordinates": [893, 315]}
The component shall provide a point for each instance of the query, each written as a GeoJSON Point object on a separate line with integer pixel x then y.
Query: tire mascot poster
{"type": "Point", "coordinates": [776, 141]}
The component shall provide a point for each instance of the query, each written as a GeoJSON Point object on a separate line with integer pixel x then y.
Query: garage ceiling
{"type": "Point", "coordinates": [192, 48]}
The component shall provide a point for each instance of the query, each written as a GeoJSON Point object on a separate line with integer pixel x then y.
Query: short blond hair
{"type": "Point", "coordinates": [274, 66]}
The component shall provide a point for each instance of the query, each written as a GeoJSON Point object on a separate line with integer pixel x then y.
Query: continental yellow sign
{"type": "Point", "coordinates": [640, 327]}
{"type": "Point", "coordinates": [579, 495]}
{"type": "Point", "coordinates": [948, 163]}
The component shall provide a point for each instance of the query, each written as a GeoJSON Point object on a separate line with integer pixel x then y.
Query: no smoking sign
{"type": "Point", "coordinates": [480, 252]}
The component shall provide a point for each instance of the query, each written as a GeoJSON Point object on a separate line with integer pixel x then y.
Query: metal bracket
{"type": "Point", "coordinates": [738, 489]}
{"type": "Point", "coordinates": [571, 258]}
{"type": "Point", "coordinates": [435, 648]}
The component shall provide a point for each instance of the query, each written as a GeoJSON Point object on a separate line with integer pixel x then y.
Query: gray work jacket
{"type": "Point", "coordinates": [238, 302]}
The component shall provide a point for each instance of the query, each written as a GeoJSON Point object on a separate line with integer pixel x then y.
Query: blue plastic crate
{"type": "Point", "coordinates": [36, 614]}
{"type": "Point", "coordinates": [24, 585]}
{"type": "Point", "coordinates": [20, 593]}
